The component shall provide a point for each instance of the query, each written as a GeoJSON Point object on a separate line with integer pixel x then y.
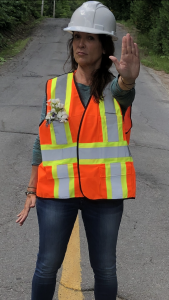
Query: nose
{"type": "Point", "coordinates": [81, 43]}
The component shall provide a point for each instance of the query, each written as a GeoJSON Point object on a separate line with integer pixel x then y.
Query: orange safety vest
{"type": "Point", "coordinates": [89, 155]}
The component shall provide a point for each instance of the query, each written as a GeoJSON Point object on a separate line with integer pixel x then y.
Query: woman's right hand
{"type": "Point", "coordinates": [29, 203]}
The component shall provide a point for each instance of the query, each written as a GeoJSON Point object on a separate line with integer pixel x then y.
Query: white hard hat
{"type": "Point", "coordinates": [93, 17]}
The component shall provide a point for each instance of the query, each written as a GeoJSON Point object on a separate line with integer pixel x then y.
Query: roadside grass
{"type": "Point", "coordinates": [147, 56]}
{"type": "Point", "coordinates": [12, 50]}
{"type": "Point", "coordinates": [16, 43]}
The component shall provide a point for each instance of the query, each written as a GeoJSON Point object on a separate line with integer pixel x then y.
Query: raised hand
{"type": "Point", "coordinates": [129, 65]}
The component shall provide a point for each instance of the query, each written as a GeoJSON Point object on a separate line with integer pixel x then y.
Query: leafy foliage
{"type": "Point", "coordinates": [150, 17]}
{"type": "Point", "coordinates": [120, 8]}
{"type": "Point", "coordinates": [159, 34]}
{"type": "Point", "coordinates": [64, 9]}
{"type": "Point", "coordinates": [143, 12]}
{"type": "Point", "coordinates": [14, 12]}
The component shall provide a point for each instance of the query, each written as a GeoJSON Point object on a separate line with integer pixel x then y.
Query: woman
{"type": "Point", "coordinates": [85, 163]}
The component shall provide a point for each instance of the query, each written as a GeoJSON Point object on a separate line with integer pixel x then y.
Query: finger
{"type": "Point", "coordinates": [128, 37]}
{"type": "Point", "coordinates": [124, 45]}
{"type": "Point", "coordinates": [133, 50]}
{"type": "Point", "coordinates": [19, 215]}
{"type": "Point", "coordinates": [19, 220]}
{"type": "Point", "coordinates": [22, 215]}
{"type": "Point", "coordinates": [22, 220]}
{"type": "Point", "coordinates": [137, 50]}
{"type": "Point", "coordinates": [115, 61]}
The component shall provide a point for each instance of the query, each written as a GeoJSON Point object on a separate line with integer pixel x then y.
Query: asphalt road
{"type": "Point", "coordinates": [142, 252]}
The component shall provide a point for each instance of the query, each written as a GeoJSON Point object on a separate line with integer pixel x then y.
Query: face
{"type": "Point", "coordinates": [87, 49]}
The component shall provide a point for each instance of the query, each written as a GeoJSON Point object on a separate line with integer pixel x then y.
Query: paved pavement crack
{"type": "Point", "coordinates": [77, 290]}
{"type": "Point", "coordinates": [120, 298]}
{"type": "Point", "coordinates": [147, 146]}
{"type": "Point", "coordinates": [30, 133]}
{"type": "Point", "coordinates": [151, 184]}
{"type": "Point", "coordinates": [34, 76]}
{"type": "Point", "coordinates": [19, 105]}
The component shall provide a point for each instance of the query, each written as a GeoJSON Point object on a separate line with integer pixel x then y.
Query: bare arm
{"type": "Point", "coordinates": [30, 199]}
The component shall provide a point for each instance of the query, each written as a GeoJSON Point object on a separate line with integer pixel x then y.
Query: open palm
{"type": "Point", "coordinates": [129, 65]}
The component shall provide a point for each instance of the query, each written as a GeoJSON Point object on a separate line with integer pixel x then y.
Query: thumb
{"type": "Point", "coordinates": [115, 61]}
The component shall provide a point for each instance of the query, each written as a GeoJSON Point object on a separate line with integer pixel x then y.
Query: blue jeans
{"type": "Point", "coordinates": [56, 220]}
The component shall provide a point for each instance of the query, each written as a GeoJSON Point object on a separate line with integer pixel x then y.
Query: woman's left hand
{"type": "Point", "coordinates": [129, 65]}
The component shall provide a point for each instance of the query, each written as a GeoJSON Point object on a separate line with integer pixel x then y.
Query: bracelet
{"type": "Point", "coordinates": [31, 187]}
{"type": "Point", "coordinates": [28, 193]}
{"type": "Point", "coordinates": [126, 84]}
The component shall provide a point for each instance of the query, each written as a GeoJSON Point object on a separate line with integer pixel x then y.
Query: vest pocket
{"type": "Point", "coordinates": [59, 132]}
{"type": "Point", "coordinates": [60, 171]}
{"type": "Point", "coordinates": [118, 177]}
{"type": "Point", "coordinates": [63, 177]}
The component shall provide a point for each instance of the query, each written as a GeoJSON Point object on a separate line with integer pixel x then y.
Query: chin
{"type": "Point", "coordinates": [82, 62]}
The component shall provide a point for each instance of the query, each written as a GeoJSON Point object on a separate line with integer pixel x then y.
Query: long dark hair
{"type": "Point", "coordinates": [102, 76]}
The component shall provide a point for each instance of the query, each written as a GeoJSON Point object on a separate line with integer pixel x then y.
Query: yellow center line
{"type": "Point", "coordinates": [70, 283]}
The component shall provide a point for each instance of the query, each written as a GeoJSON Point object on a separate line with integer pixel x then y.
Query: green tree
{"type": "Point", "coordinates": [120, 8]}
{"type": "Point", "coordinates": [143, 13]}
{"type": "Point", "coordinates": [159, 34]}
{"type": "Point", "coordinates": [64, 9]}
{"type": "Point", "coordinates": [17, 11]}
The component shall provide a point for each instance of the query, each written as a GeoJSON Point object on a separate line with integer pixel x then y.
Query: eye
{"type": "Point", "coordinates": [76, 36]}
{"type": "Point", "coordinates": [90, 38]}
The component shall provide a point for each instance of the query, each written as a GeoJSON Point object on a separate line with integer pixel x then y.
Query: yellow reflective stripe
{"type": "Point", "coordinates": [52, 133]}
{"type": "Point", "coordinates": [103, 121]}
{"type": "Point", "coordinates": [124, 180]}
{"type": "Point", "coordinates": [60, 162]}
{"type": "Point", "coordinates": [71, 181]}
{"type": "Point", "coordinates": [85, 145]}
{"type": "Point", "coordinates": [87, 161]}
{"type": "Point", "coordinates": [68, 92]}
{"type": "Point", "coordinates": [68, 132]}
{"type": "Point", "coordinates": [53, 87]}
{"type": "Point", "coordinates": [119, 120]}
{"type": "Point", "coordinates": [108, 181]}
{"type": "Point", "coordinates": [54, 147]}
{"type": "Point", "coordinates": [104, 160]}
{"type": "Point", "coordinates": [56, 181]}
{"type": "Point", "coordinates": [67, 106]}
{"type": "Point", "coordinates": [102, 144]}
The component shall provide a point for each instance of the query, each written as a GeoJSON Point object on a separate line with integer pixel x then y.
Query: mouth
{"type": "Point", "coordinates": [81, 53]}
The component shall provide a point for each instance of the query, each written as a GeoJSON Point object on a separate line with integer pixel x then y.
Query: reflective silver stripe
{"type": "Point", "coordinates": [59, 154]}
{"type": "Point", "coordinates": [63, 176]}
{"type": "Point", "coordinates": [112, 128]}
{"type": "Point", "coordinates": [109, 105]}
{"type": "Point", "coordinates": [117, 191]}
{"type": "Point", "coordinates": [105, 152]}
{"type": "Point", "coordinates": [85, 153]}
{"type": "Point", "coordinates": [60, 92]}
{"type": "Point", "coordinates": [111, 117]}
{"type": "Point", "coordinates": [60, 133]}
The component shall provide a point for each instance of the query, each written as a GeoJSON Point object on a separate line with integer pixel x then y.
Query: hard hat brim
{"type": "Point", "coordinates": [90, 30]}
